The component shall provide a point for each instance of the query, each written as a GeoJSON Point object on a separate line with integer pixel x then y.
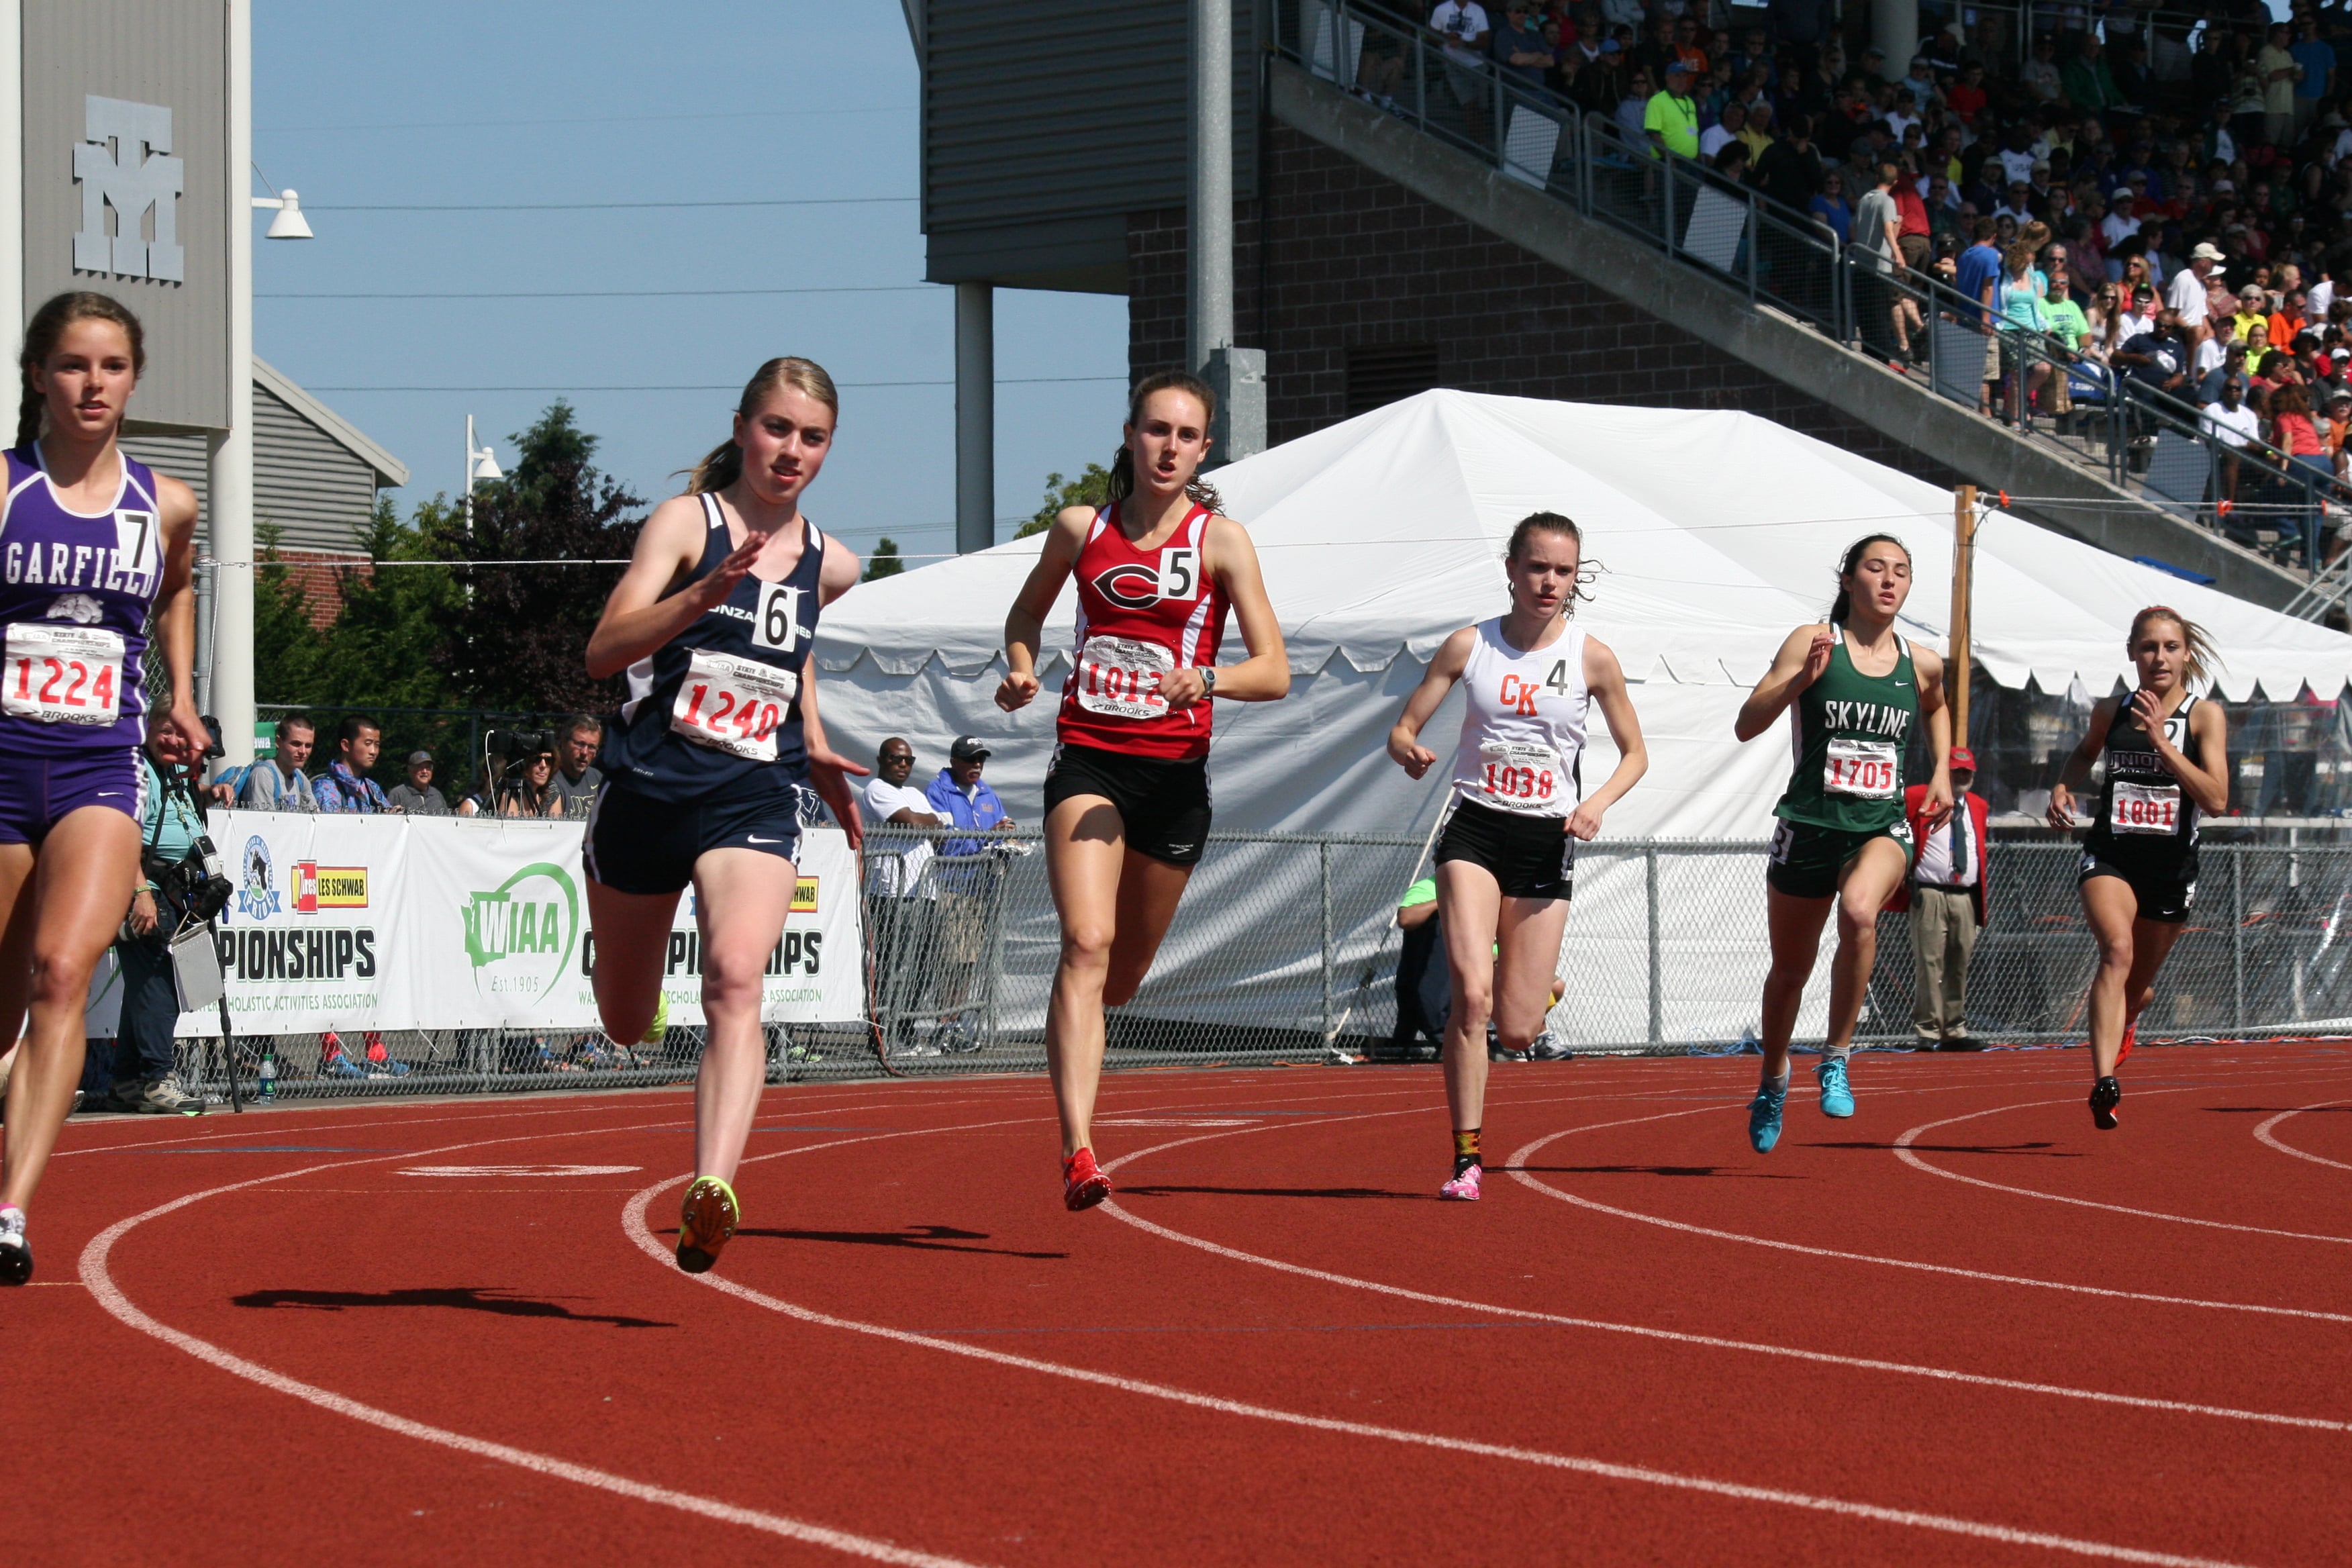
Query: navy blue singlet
{"type": "Point", "coordinates": [717, 706]}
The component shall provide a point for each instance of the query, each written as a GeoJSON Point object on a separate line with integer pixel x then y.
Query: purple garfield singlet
{"type": "Point", "coordinates": [75, 592]}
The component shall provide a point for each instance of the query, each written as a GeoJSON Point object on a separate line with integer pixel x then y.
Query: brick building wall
{"type": "Point", "coordinates": [319, 575]}
{"type": "Point", "coordinates": [1361, 270]}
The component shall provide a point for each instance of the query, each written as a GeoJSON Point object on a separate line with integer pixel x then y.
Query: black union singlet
{"type": "Point", "coordinates": [720, 701]}
{"type": "Point", "coordinates": [2147, 823]}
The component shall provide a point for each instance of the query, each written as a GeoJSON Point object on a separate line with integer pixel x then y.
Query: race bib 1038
{"type": "Point", "coordinates": [1517, 775]}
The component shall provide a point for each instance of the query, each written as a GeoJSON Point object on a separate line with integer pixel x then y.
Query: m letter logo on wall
{"type": "Point", "coordinates": [124, 163]}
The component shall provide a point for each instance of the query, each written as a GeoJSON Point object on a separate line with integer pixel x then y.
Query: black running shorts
{"type": "Point", "coordinates": [1528, 857]}
{"type": "Point", "coordinates": [638, 845]}
{"type": "Point", "coordinates": [2164, 892]}
{"type": "Point", "coordinates": [1804, 861]}
{"type": "Point", "coordinates": [1162, 805]}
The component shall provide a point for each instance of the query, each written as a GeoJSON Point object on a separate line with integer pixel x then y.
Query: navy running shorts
{"type": "Point", "coordinates": [639, 844]}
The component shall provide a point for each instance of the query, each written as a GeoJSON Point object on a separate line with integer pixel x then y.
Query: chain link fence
{"type": "Point", "coordinates": [1287, 948]}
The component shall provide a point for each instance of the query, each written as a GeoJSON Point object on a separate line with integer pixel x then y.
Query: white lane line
{"type": "Point", "coordinates": [633, 1222]}
{"type": "Point", "coordinates": [96, 1276]}
{"type": "Point", "coordinates": [2267, 1136]}
{"type": "Point", "coordinates": [1950, 1271]}
{"type": "Point", "coordinates": [1905, 1153]}
{"type": "Point", "coordinates": [1711, 1341]}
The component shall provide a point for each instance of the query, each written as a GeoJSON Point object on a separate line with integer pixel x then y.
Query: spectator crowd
{"type": "Point", "coordinates": [532, 772]}
{"type": "Point", "coordinates": [2166, 194]}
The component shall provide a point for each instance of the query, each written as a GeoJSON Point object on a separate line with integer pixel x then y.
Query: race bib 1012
{"type": "Point", "coordinates": [733, 705]}
{"type": "Point", "coordinates": [1866, 769]}
{"type": "Point", "coordinates": [1119, 676]}
{"type": "Point", "coordinates": [61, 674]}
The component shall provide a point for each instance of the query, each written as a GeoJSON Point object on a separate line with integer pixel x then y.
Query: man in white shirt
{"type": "Point", "coordinates": [898, 897]}
{"type": "Point", "coordinates": [2121, 222]}
{"type": "Point", "coordinates": [278, 785]}
{"type": "Point", "coordinates": [1463, 30]}
{"type": "Point", "coordinates": [2232, 420]}
{"type": "Point", "coordinates": [1724, 131]}
{"type": "Point", "coordinates": [1947, 908]}
{"type": "Point", "coordinates": [2187, 294]}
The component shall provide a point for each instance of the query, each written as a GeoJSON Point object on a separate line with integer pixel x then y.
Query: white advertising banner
{"type": "Point", "coordinates": [391, 922]}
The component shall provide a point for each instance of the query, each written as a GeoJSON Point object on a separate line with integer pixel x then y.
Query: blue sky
{"type": "Point", "coordinates": [433, 103]}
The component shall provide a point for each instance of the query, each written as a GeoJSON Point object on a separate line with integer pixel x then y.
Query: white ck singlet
{"type": "Point", "coordinates": [1522, 725]}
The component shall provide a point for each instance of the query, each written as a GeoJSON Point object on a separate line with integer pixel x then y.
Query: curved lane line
{"type": "Point", "coordinates": [633, 1222]}
{"type": "Point", "coordinates": [2267, 1136]}
{"type": "Point", "coordinates": [1676, 1336]}
{"type": "Point", "coordinates": [1904, 1152]}
{"type": "Point", "coordinates": [1520, 1159]}
{"type": "Point", "coordinates": [99, 1279]}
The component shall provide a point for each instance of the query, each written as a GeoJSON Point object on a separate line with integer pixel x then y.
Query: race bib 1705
{"type": "Point", "coordinates": [2144, 808]}
{"type": "Point", "coordinates": [1863, 768]}
{"type": "Point", "coordinates": [1518, 776]}
{"type": "Point", "coordinates": [1119, 676]}
{"type": "Point", "coordinates": [733, 705]}
{"type": "Point", "coordinates": [62, 674]}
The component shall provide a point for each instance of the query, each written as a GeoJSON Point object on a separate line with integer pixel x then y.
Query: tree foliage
{"type": "Point", "coordinates": [512, 635]}
{"type": "Point", "coordinates": [1089, 488]}
{"type": "Point", "coordinates": [285, 645]}
{"type": "Point", "coordinates": [885, 560]}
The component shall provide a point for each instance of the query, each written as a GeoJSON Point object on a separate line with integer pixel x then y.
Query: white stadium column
{"type": "Point", "coordinates": [230, 453]}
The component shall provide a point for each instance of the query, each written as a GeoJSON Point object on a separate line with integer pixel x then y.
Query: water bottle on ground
{"type": "Point", "coordinates": [268, 1075]}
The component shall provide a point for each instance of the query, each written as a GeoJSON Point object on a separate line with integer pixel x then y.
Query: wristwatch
{"type": "Point", "coordinates": [1208, 680]}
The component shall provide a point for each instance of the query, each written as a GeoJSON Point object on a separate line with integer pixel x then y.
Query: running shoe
{"type": "Point", "coordinates": [1464, 1187]}
{"type": "Point", "coordinates": [1083, 1183]}
{"type": "Point", "coordinates": [15, 1257]}
{"type": "Point", "coordinates": [705, 1220]}
{"type": "Point", "coordinates": [2106, 1095]}
{"type": "Point", "coordinates": [1548, 1049]}
{"type": "Point", "coordinates": [2131, 1037]}
{"type": "Point", "coordinates": [1764, 1115]}
{"type": "Point", "coordinates": [659, 1028]}
{"type": "Point", "coordinates": [163, 1097]}
{"type": "Point", "coordinates": [1837, 1095]}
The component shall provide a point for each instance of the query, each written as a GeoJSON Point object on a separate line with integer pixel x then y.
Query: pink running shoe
{"type": "Point", "coordinates": [1463, 1188]}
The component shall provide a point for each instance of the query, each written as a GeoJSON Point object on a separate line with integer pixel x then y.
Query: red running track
{"type": "Point", "coordinates": [1961, 1328]}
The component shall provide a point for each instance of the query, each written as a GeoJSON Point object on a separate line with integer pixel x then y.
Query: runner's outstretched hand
{"type": "Point", "coordinates": [829, 776]}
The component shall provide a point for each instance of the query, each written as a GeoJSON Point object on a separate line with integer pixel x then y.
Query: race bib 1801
{"type": "Point", "coordinates": [1864, 768]}
{"type": "Point", "coordinates": [1119, 676]}
{"type": "Point", "coordinates": [733, 705]}
{"type": "Point", "coordinates": [2144, 808]}
{"type": "Point", "coordinates": [1520, 777]}
{"type": "Point", "coordinates": [62, 674]}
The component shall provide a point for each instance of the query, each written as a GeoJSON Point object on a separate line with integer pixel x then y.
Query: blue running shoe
{"type": "Point", "coordinates": [1764, 1115]}
{"type": "Point", "coordinates": [1837, 1097]}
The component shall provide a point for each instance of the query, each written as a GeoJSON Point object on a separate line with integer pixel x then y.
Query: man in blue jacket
{"type": "Point", "coordinates": [966, 874]}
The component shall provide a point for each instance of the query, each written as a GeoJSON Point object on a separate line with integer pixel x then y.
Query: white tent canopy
{"type": "Point", "coordinates": [1718, 532]}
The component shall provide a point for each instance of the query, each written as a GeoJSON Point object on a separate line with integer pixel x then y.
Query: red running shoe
{"type": "Point", "coordinates": [1083, 1183]}
{"type": "Point", "coordinates": [2131, 1034]}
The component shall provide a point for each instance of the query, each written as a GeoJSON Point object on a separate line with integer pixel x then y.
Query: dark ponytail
{"type": "Point", "coordinates": [1844, 603]}
{"type": "Point", "coordinates": [1123, 463]}
{"type": "Point", "coordinates": [44, 332]}
{"type": "Point", "coordinates": [723, 465]}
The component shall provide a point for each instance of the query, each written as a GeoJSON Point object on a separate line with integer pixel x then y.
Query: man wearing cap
{"type": "Point", "coordinates": [967, 875]}
{"type": "Point", "coordinates": [1946, 897]}
{"type": "Point", "coordinates": [1671, 118]}
{"type": "Point", "coordinates": [898, 897]}
{"type": "Point", "coordinates": [2187, 293]}
{"type": "Point", "coordinates": [1463, 29]}
{"type": "Point", "coordinates": [415, 796]}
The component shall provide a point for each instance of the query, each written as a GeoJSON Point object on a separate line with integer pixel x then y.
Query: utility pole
{"type": "Point", "coordinates": [1237, 375]}
{"type": "Point", "coordinates": [1964, 550]}
{"type": "Point", "coordinates": [975, 416]}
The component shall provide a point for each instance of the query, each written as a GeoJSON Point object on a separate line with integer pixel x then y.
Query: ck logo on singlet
{"type": "Point", "coordinates": [1132, 585]}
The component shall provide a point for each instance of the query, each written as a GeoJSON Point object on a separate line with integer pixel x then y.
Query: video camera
{"type": "Point", "coordinates": [196, 882]}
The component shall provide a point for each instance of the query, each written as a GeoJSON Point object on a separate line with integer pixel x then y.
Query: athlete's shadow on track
{"type": "Point", "coordinates": [2046, 1151]}
{"type": "Point", "coordinates": [921, 1237]}
{"type": "Point", "coordinates": [1660, 1171]}
{"type": "Point", "coordinates": [466, 1298]}
{"type": "Point", "coordinates": [1164, 1190]}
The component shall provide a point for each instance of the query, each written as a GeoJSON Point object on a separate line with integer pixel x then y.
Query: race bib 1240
{"type": "Point", "coordinates": [62, 674]}
{"type": "Point", "coordinates": [733, 705]}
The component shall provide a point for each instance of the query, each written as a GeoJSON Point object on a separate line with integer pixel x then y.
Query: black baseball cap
{"type": "Point", "coordinates": [967, 748]}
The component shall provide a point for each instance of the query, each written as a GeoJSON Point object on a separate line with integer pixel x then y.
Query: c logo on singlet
{"type": "Point", "coordinates": [1131, 586]}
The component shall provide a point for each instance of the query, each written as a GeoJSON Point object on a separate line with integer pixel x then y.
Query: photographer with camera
{"type": "Point", "coordinates": [171, 878]}
{"type": "Point", "coordinates": [524, 790]}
